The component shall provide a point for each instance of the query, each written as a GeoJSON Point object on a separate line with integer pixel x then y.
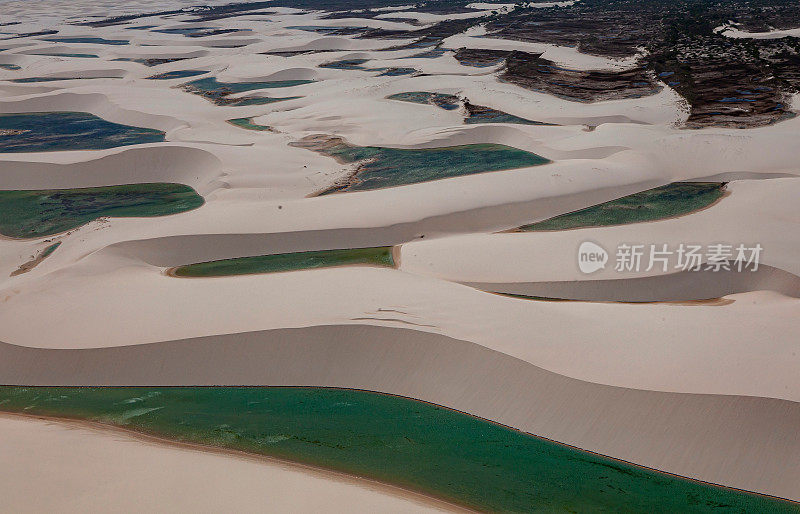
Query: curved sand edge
{"type": "Point", "coordinates": [681, 286]}
{"type": "Point", "coordinates": [214, 475]}
{"type": "Point", "coordinates": [744, 442]}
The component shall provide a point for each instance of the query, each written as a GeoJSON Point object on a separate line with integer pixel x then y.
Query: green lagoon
{"type": "Point", "coordinates": [441, 100]}
{"type": "Point", "coordinates": [88, 40]}
{"type": "Point", "coordinates": [40, 213]}
{"type": "Point", "coordinates": [676, 199]}
{"type": "Point", "coordinates": [219, 92]}
{"type": "Point", "coordinates": [380, 256]}
{"type": "Point", "coordinates": [408, 443]}
{"type": "Point", "coordinates": [247, 123]}
{"type": "Point", "coordinates": [80, 56]}
{"type": "Point", "coordinates": [389, 167]}
{"type": "Point", "coordinates": [180, 74]}
{"type": "Point", "coordinates": [55, 131]}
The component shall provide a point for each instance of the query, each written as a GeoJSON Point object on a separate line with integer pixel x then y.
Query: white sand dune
{"type": "Point", "coordinates": [673, 287]}
{"type": "Point", "coordinates": [179, 164]}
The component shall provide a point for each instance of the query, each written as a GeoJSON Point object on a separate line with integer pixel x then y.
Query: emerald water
{"type": "Point", "coordinates": [380, 256]}
{"type": "Point", "coordinates": [180, 74]}
{"type": "Point", "coordinates": [444, 101]}
{"type": "Point", "coordinates": [53, 131]}
{"type": "Point", "coordinates": [396, 440]}
{"type": "Point", "coordinates": [39, 213]}
{"type": "Point", "coordinates": [219, 92]}
{"type": "Point", "coordinates": [92, 40]}
{"type": "Point", "coordinates": [389, 167]}
{"type": "Point", "coordinates": [247, 123]}
{"type": "Point", "coordinates": [394, 72]}
{"type": "Point", "coordinates": [668, 201]}
{"type": "Point", "coordinates": [82, 56]}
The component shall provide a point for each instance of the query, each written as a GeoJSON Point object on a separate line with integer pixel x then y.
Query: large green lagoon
{"type": "Point", "coordinates": [54, 131]}
{"type": "Point", "coordinates": [380, 256]}
{"type": "Point", "coordinates": [388, 167]}
{"type": "Point", "coordinates": [668, 201]}
{"type": "Point", "coordinates": [247, 123]}
{"type": "Point", "coordinates": [220, 92]}
{"type": "Point", "coordinates": [44, 212]}
{"type": "Point", "coordinates": [396, 440]}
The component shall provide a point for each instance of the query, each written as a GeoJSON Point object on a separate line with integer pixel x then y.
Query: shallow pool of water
{"type": "Point", "coordinates": [180, 74]}
{"type": "Point", "coordinates": [44, 212]}
{"type": "Point", "coordinates": [91, 40]}
{"type": "Point", "coordinates": [247, 123]}
{"type": "Point", "coordinates": [53, 131]}
{"type": "Point", "coordinates": [380, 256]}
{"type": "Point", "coordinates": [219, 92]}
{"type": "Point", "coordinates": [388, 167]}
{"type": "Point", "coordinates": [676, 199]}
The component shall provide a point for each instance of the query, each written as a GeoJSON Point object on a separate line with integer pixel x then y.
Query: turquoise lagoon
{"type": "Point", "coordinates": [63, 130]}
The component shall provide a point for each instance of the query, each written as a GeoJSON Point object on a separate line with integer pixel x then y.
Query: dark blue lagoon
{"type": "Point", "coordinates": [396, 72]}
{"type": "Point", "coordinates": [55, 131]}
{"type": "Point", "coordinates": [90, 40]}
{"type": "Point", "coordinates": [81, 56]}
{"type": "Point", "coordinates": [180, 74]}
{"type": "Point", "coordinates": [345, 64]}
{"type": "Point", "coordinates": [151, 61]}
{"type": "Point", "coordinates": [219, 92]}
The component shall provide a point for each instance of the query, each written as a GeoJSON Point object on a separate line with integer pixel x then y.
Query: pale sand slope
{"type": "Point", "coordinates": [754, 212]}
{"type": "Point", "coordinates": [678, 286]}
{"type": "Point", "coordinates": [663, 347]}
{"type": "Point", "coordinates": [740, 441]}
{"type": "Point", "coordinates": [90, 469]}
